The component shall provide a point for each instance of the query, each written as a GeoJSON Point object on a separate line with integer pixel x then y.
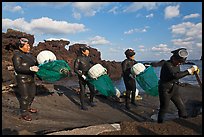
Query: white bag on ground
{"type": "Point", "coordinates": [97, 71]}
{"type": "Point", "coordinates": [44, 56]}
{"type": "Point", "coordinates": [137, 68]}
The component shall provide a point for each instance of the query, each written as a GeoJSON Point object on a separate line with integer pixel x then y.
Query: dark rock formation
{"type": "Point", "coordinates": [114, 69]}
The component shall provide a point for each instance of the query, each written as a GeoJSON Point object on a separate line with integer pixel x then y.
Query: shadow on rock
{"type": "Point", "coordinates": [41, 90]}
{"type": "Point", "coordinates": [69, 93]}
{"type": "Point", "coordinates": [193, 108]}
{"type": "Point", "coordinates": [8, 131]}
{"type": "Point", "coordinates": [121, 107]}
{"type": "Point", "coordinates": [190, 125]}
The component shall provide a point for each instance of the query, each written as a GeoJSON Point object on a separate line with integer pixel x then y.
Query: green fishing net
{"type": "Point", "coordinates": [148, 81]}
{"type": "Point", "coordinates": [53, 70]}
{"type": "Point", "coordinates": [104, 85]}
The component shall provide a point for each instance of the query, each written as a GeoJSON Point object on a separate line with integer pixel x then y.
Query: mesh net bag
{"type": "Point", "coordinates": [53, 71]}
{"type": "Point", "coordinates": [104, 85]}
{"type": "Point", "coordinates": [148, 81]}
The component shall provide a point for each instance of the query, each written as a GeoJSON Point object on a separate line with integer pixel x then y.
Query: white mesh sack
{"type": "Point", "coordinates": [137, 68]}
{"type": "Point", "coordinates": [96, 71]}
{"type": "Point", "coordinates": [44, 56]}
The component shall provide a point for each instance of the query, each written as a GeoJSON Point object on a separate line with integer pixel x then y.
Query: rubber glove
{"type": "Point", "coordinates": [193, 69]}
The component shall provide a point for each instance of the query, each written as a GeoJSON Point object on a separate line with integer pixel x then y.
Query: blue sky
{"type": "Point", "coordinates": [152, 29]}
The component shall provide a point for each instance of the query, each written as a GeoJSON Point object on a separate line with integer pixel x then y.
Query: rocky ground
{"type": "Point", "coordinates": [61, 114]}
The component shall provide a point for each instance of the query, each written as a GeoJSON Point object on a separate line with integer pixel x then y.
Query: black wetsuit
{"type": "Point", "coordinates": [25, 78]}
{"type": "Point", "coordinates": [168, 89]}
{"type": "Point", "coordinates": [81, 66]}
{"type": "Point", "coordinates": [130, 83]}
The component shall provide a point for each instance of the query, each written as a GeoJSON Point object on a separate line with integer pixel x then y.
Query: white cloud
{"type": "Point", "coordinates": [88, 8]}
{"type": "Point", "coordinates": [141, 46]}
{"type": "Point", "coordinates": [199, 45]}
{"type": "Point", "coordinates": [115, 50]}
{"type": "Point", "coordinates": [150, 15]}
{"type": "Point", "coordinates": [13, 8]}
{"type": "Point", "coordinates": [144, 30]}
{"type": "Point", "coordinates": [161, 48]}
{"type": "Point", "coordinates": [195, 30]}
{"type": "Point", "coordinates": [53, 4]}
{"type": "Point", "coordinates": [98, 40]}
{"type": "Point", "coordinates": [131, 31]}
{"type": "Point", "coordinates": [171, 11]}
{"type": "Point", "coordinates": [43, 25]}
{"type": "Point", "coordinates": [76, 15]}
{"type": "Point", "coordinates": [182, 42]}
{"type": "Point", "coordinates": [187, 29]}
{"type": "Point", "coordinates": [19, 24]}
{"type": "Point", "coordinates": [191, 16]}
{"type": "Point", "coordinates": [135, 6]}
{"type": "Point", "coordinates": [50, 39]}
{"type": "Point", "coordinates": [187, 35]}
{"type": "Point", "coordinates": [113, 10]}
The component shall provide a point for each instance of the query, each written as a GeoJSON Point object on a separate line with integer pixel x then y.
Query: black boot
{"type": "Point", "coordinates": [133, 99]}
{"type": "Point", "coordinates": [92, 104]}
{"type": "Point", "coordinates": [127, 100]}
{"type": "Point", "coordinates": [25, 115]}
{"type": "Point", "coordinates": [127, 106]}
{"type": "Point", "coordinates": [84, 107]}
{"type": "Point", "coordinates": [182, 114]}
{"type": "Point", "coordinates": [160, 118]}
{"type": "Point", "coordinates": [133, 102]}
{"type": "Point", "coordinates": [127, 103]}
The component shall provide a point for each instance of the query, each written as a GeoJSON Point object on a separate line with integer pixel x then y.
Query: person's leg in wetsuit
{"type": "Point", "coordinates": [130, 86]}
{"type": "Point", "coordinates": [127, 93]}
{"type": "Point", "coordinates": [127, 99]}
{"type": "Point", "coordinates": [92, 94]}
{"type": "Point", "coordinates": [27, 92]}
{"type": "Point", "coordinates": [133, 89]}
{"type": "Point", "coordinates": [31, 94]}
{"type": "Point", "coordinates": [164, 98]}
{"type": "Point", "coordinates": [82, 85]}
{"type": "Point", "coordinates": [23, 98]}
{"type": "Point", "coordinates": [176, 99]}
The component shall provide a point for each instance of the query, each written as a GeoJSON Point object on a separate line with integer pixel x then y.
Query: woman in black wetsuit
{"type": "Point", "coordinates": [129, 80]}
{"type": "Point", "coordinates": [82, 65]}
{"type": "Point", "coordinates": [169, 83]}
{"type": "Point", "coordinates": [25, 68]}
